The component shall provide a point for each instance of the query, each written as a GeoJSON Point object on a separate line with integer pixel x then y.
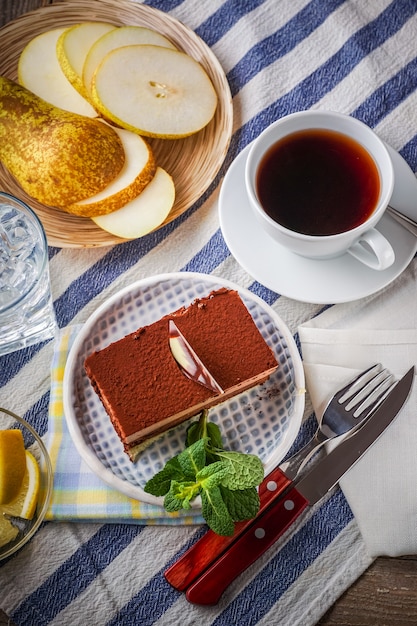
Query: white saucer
{"type": "Point", "coordinates": [342, 279]}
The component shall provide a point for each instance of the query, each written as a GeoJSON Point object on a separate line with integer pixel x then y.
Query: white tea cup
{"type": "Point", "coordinates": [319, 182]}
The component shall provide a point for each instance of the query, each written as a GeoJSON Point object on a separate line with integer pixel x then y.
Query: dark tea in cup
{"type": "Point", "coordinates": [318, 182]}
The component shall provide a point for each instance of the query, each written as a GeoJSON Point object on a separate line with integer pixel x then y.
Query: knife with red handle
{"type": "Point", "coordinates": [270, 525]}
{"type": "Point", "coordinates": [261, 534]}
{"type": "Point", "coordinates": [197, 558]}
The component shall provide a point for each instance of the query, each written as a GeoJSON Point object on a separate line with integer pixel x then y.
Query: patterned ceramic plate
{"type": "Point", "coordinates": [264, 420]}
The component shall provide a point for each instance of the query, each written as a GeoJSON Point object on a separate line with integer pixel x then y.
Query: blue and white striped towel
{"type": "Point", "coordinates": [280, 57]}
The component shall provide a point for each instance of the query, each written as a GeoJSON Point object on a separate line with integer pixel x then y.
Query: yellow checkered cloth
{"type": "Point", "coordinates": [78, 494]}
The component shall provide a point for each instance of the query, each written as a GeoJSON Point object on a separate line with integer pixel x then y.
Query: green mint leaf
{"type": "Point", "coordinates": [193, 459]}
{"type": "Point", "coordinates": [215, 512]}
{"type": "Point", "coordinates": [242, 504]}
{"type": "Point", "coordinates": [160, 484]}
{"type": "Point", "coordinates": [174, 466]}
{"type": "Point", "coordinates": [212, 475]}
{"type": "Point", "coordinates": [197, 430]}
{"type": "Point", "coordinates": [225, 480]}
{"type": "Point", "coordinates": [193, 434]}
{"type": "Point", "coordinates": [245, 470]}
{"type": "Point", "coordinates": [214, 434]}
{"type": "Point", "coordinates": [180, 495]}
{"type": "Point", "coordinates": [203, 429]}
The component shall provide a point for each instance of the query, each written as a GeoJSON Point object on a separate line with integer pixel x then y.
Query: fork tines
{"type": "Point", "coordinates": [367, 391]}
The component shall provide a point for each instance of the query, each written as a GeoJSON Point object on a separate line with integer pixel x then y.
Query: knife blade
{"type": "Point", "coordinates": [189, 362]}
{"type": "Point", "coordinates": [268, 527]}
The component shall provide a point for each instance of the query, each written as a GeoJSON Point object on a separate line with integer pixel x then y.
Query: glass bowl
{"type": "Point", "coordinates": [34, 443]}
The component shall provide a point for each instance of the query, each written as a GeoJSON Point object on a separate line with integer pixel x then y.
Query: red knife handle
{"type": "Point", "coordinates": [205, 551]}
{"type": "Point", "coordinates": [262, 533]}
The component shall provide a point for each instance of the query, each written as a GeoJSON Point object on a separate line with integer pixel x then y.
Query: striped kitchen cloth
{"type": "Point", "coordinates": [79, 494]}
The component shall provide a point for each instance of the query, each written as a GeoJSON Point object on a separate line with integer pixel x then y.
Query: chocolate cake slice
{"type": "Point", "coordinates": [141, 385]}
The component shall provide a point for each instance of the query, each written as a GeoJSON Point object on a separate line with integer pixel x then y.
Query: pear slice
{"type": "Point", "coordinates": [39, 71]}
{"type": "Point", "coordinates": [72, 48]}
{"type": "Point", "coordinates": [56, 156]}
{"type": "Point", "coordinates": [116, 38]}
{"type": "Point", "coordinates": [137, 172]}
{"type": "Point", "coordinates": [144, 213]}
{"type": "Point", "coordinates": [154, 91]}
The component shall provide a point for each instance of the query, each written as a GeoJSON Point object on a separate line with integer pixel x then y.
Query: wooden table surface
{"type": "Point", "coordinates": [386, 594]}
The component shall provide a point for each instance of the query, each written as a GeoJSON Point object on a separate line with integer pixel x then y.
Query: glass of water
{"type": "Point", "coordinates": [26, 309]}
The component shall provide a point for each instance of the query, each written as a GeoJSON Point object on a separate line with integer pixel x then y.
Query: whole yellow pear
{"type": "Point", "coordinates": [57, 157]}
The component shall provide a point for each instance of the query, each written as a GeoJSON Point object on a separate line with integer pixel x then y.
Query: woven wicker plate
{"type": "Point", "coordinates": [193, 162]}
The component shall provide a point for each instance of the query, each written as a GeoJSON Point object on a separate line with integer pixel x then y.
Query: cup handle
{"type": "Point", "coordinates": [373, 249]}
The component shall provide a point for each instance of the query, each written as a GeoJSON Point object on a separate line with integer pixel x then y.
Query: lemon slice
{"type": "Point", "coordinates": [12, 464]}
{"type": "Point", "coordinates": [24, 504]}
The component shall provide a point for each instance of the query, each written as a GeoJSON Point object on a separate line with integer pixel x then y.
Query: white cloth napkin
{"type": "Point", "coordinates": [382, 487]}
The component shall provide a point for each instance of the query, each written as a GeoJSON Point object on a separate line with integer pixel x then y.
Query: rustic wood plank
{"type": "Point", "coordinates": [385, 595]}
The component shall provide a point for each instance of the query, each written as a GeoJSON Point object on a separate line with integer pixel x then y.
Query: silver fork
{"type": "Point", "coordinates": [344, 413]}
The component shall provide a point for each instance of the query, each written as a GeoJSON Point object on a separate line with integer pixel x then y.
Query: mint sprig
{"type": "Point", "coordinates": [225, 480]}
